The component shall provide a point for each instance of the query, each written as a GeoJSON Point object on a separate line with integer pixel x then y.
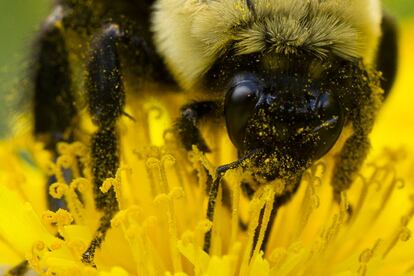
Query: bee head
{"type": "Point", "coordinates": [287, 117]}
{"type": "Point", "coordinates": [282, 99]}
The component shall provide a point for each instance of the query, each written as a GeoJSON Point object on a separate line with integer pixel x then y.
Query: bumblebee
{"type": "Point", "coordinates": [286, 77]}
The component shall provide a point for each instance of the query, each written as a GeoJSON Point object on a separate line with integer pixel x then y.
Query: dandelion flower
{"type": "Point", "coordinates": [160, 227]}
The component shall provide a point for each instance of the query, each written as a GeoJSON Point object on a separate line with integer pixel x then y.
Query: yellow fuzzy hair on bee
{"type": "Point", "coordinates": [191, 35]}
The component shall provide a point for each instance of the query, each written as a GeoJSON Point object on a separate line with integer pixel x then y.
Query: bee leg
{"type": "Point", "coordinates": [356, 147]}
{"type": "Point", "coordinates": [349, 162]}
{"type": "Point", "coordinates": [54, 104]}
{"type": "Point", "coordinates": [106, 98]}
{"type": "Point", "coordinates": [278, 202]}
{"type": "Point", "coordinates": [387, 57]}
{"type": "Point", "coordinates": [20, 269]}
{"type": "Point", "coordinates": [187, 125]}
{"type": "Point", "coordinates": [189, 135]}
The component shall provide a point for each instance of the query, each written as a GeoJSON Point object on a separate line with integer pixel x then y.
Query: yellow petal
{"type": "Point", "coordinates": [19, 224]}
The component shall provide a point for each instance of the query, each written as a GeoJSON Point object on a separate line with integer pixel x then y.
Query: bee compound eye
{"type": "Point", "coordinates": [240, 102]}
{"type": "Point", "coordinates": [332, 122]}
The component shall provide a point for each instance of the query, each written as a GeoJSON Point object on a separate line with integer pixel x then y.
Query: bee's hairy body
{"type": "Point", "coordinates": [287, 76]}
{"type": "Point", "coordinates": [191, 35]}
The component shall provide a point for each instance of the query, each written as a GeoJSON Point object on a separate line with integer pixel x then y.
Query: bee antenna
{"type": "Point", "coordinates": [238, 163]}
{"type": "Point", "coordinates": [214, 187]}
{"type": "Point", "coordinates": [129, 116]}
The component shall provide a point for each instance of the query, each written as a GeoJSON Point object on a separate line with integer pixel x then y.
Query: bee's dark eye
{"type": "Point", "coordinates": [240, 101]}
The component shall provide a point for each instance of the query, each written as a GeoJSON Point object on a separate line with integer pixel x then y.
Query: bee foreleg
{"type": "Point", "coordinates": [356, 147]}
{"type": "Point", "coordinates": [187, 125]}
{"type": "Point", "coordinates": [348, 163]}
{"type": "Point", "coordinates": [189, 135]}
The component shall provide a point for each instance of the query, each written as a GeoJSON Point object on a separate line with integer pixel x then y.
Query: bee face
{"type": "Point", "coordinates": [287, 114]}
